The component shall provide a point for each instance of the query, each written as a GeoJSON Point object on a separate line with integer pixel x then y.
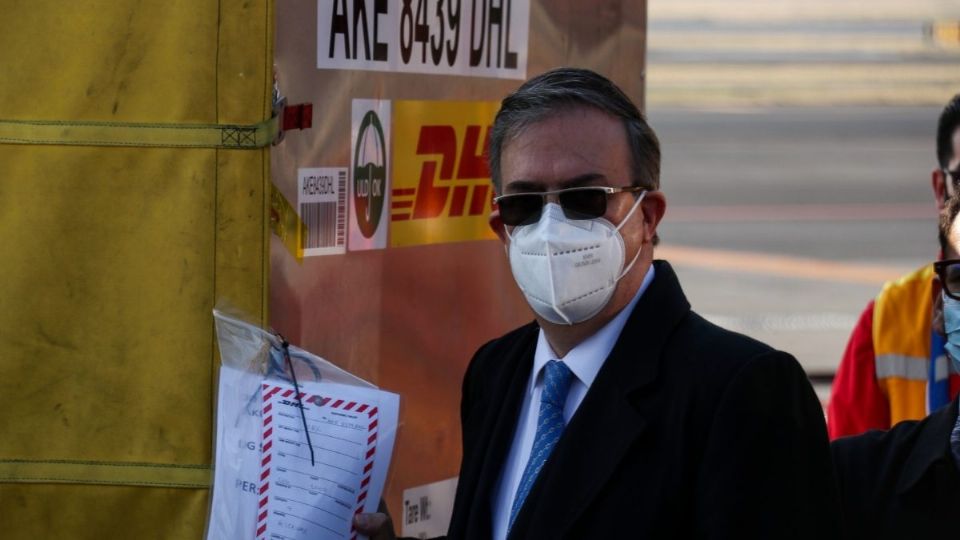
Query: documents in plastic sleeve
{"type": "Point", "coordinates": [351, 432]}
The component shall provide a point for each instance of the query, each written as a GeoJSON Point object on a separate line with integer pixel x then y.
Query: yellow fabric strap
{"type": "Point", "coordinates": [229, 136]}
{"type": "Point", "coordinates": [99, 472]}
{"type": "Point", "coordinates": [286, 223]}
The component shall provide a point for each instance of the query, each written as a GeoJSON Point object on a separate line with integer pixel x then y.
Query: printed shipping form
{"type": "Point", "coordinates": [315, 493]}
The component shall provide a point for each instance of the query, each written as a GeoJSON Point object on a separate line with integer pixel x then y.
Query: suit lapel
{"type": "Point", "coordinates": [498, 428]}
{"type": "Point", "coordinates": [607, 422]}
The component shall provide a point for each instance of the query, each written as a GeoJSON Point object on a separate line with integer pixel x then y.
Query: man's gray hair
{"type": "Point", "coordinates": [562, 89]}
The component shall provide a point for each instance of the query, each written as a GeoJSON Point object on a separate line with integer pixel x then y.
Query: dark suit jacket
{"type": "Point", "coordinates": [688, 431]}
{"type": "Point", "coordinates": [901, 483]}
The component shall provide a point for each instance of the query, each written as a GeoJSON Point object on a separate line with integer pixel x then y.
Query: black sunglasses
{"type": "Point", "coordinates": [949, 273]}
{"type": "Point", "coordinates": [588, 202]}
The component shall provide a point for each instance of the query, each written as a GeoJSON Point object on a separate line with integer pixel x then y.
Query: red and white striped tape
{"type": "Point", "coordinates": [266, 453]}
{"type": "Point", "coordinates": [368, 457]}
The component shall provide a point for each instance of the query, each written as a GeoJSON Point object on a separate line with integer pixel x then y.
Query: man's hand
{"type": "Point", "coordinates": [378, 526]}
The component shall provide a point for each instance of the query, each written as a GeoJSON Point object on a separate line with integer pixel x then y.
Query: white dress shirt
{"type": "Point", "coordinates": [585, 361]}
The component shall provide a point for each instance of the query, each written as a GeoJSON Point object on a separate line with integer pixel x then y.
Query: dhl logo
{"type": "Point", "coordinates": [447, 186]}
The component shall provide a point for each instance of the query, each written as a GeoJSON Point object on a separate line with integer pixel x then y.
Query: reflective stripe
{"type": "Point", "coordinates": [913, 368]}
{"type": "Point", "coordinates": [945, 368]}
{"type": "Point", "coordinates": [902, 366]}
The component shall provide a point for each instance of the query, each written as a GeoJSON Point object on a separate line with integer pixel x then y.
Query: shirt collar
{"type": "Point", "coordinates": [931, 446]}
{"type": "Point", "coordinates": [586, 359]}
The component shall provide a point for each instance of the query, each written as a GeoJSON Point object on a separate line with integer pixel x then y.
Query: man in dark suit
{"type": "Point", "coordinates": [905, 482]}
{"type": "Point", "coordinates": [620, 413]}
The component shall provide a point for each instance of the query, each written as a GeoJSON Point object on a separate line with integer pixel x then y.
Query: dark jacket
{"type": "Point", "coordinates": [901, 483]}
{"type": "Point", "coordinates": [688, 431]}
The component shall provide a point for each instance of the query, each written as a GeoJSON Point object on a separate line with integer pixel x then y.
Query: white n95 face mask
{"type": "Point", "coordinates": [567, 268]}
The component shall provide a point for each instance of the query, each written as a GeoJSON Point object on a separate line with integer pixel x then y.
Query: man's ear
{"type": "Point", "coordinates": [654, 206]}
{"type": "Point", "coordinates": [938, 182]}
{"type": "Point", "coordinates": [937, 322]}
{"type": "Point", "coordinates": [497, 226]}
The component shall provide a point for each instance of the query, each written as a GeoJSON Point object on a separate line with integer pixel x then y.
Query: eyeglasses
{"type": "Point", "coordinates": [587, 202]}
{"type": "Point", "coordinates": [949, 273]}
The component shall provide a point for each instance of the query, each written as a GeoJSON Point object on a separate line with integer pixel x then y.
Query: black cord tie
{"type": "Point", "coordinates": [296, 388]}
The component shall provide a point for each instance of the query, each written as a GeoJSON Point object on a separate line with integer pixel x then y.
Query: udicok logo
{"type": "Point", "coordinates": [369, 174]}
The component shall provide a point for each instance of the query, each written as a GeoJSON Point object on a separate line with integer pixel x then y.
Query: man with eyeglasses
{"type": "Point", "coordinates": [619, 412]}
{"type": "Point", "coordinates": [905, 482]}
{"type": "Point", "coordinates": [894, 367]}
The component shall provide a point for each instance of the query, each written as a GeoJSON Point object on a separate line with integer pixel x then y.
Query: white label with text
{"type": "Point", "coordinates": [478, 38]}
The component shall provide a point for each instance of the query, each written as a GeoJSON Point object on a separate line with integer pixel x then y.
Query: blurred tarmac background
{"type": "Point", "coordinates": [798, 141]}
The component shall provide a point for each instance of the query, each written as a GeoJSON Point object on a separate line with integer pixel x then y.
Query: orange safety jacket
{"type": "Point", "coordinates": [894, 367]}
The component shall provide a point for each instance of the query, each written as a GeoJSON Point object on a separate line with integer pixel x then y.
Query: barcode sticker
{"type": "Point", "coordinates": [322, 203]}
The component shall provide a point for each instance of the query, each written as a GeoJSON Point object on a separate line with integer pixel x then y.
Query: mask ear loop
{"type": "Point", "coordinates": [617, 230]}
{"type": "Point", "coordinates": [506, 247]}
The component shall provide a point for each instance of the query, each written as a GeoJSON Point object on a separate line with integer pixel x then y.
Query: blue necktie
{"type": "Point", "coordinates": [556, 385]}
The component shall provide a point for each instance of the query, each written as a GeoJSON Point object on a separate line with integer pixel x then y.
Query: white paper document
{"type": "Point", "coordinates": [235, 485]}
{"type": "Point", "coordinates": [351, 433]}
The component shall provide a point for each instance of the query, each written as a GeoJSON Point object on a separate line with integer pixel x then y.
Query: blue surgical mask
{"type": "Point", "coordinates": [951, 326]}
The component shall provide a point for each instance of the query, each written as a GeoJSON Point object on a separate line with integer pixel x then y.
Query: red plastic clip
{"type": "Point", "coordinates": [298, 116]}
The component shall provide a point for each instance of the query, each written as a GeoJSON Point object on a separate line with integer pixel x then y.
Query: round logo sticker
{"type": "Point", "coordinates": [369, 174]}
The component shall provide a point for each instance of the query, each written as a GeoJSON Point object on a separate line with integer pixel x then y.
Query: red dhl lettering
{"type": "Point", "coordinates": [438, 187]}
